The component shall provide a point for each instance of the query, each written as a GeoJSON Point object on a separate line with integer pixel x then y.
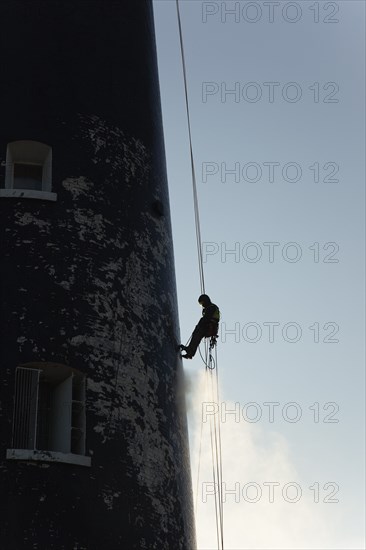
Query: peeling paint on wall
{"type": "Point", "coordinates": [87, 281]}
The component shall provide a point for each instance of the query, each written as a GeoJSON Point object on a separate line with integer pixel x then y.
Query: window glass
{"type": "Point", "coordinates": [28, 176]}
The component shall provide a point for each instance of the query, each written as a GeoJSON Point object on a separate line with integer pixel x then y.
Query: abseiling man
{"type": "Point", "coordinates": [207, 326]}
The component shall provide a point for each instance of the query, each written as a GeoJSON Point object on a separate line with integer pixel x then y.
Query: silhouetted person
{"type": "Point", "coordinates": [208, 325]}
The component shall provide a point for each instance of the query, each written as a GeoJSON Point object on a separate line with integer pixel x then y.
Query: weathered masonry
{"type": "Point", "coordinates": [93, 436]}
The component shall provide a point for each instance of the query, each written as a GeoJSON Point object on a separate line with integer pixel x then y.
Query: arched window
{"type": "Point", "coordinates": [49, 421]}
{"type": "Point", "coordinates": [28, 171]}
{"type": "Point", "coordinates": [28, 166]}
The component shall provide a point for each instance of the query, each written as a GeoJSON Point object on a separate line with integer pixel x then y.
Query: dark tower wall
{"type": "Point", "coordinates": [87, 280]}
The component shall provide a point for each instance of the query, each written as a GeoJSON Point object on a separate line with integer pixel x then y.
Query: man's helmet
{"type": "Point", "coordinates": [204, 300]}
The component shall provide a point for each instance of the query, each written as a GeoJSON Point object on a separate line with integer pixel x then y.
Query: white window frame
{"type": "Point", "coordinates": [31, 153]}
{"type": "Point", "coordinates": [60, 421]}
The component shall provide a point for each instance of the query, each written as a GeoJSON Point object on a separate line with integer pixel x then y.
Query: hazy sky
{"type": "Point", "coordinates": [277, 100]}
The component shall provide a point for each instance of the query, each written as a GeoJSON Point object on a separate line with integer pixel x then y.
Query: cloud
{"type": "Point", "coordinates": [268, 505]}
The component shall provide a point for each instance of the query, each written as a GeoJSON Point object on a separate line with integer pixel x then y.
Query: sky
{"type": "Point", "coordinates": [277, 105]}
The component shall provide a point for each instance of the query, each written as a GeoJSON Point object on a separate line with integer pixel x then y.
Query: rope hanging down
{"type": "Point", "coordinates": [210, 362]}
{"type": "Point", "coordinates": [195, 196]}
{"type": "Point", "coordinates": [212, 396]}
{"type": "Point", "coordinates": [215, 435]}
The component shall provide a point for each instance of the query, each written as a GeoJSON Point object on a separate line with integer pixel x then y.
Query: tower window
{"type": "Point", "coordinates": [28, 166]}
{"type": "Point", "coordinates": [28, 176]}
{"type": "Point", "coordinates": [49, 413]}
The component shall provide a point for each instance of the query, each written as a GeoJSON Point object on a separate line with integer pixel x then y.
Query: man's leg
{"type": "Point", "coordinates": [197, 336]}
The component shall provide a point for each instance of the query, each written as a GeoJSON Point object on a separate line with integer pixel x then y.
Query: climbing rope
{"type": "Point", "coordinates": [211, 362]}
{"type": "Point", "coordinates": [219, 452]}
{"type": "Point", "coordinates": [212, 396]}
{"type": "Point", "coordinates": [194, 184]}
{"type": "Point", "coordinates": [215, 436]}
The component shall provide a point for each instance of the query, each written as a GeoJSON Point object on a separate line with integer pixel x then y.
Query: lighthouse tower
{"type": "Point", "coordinates": [93, 446]}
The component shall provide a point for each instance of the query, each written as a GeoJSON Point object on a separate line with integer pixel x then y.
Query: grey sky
{"type": "Point", "coordinates": [320, 136]}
